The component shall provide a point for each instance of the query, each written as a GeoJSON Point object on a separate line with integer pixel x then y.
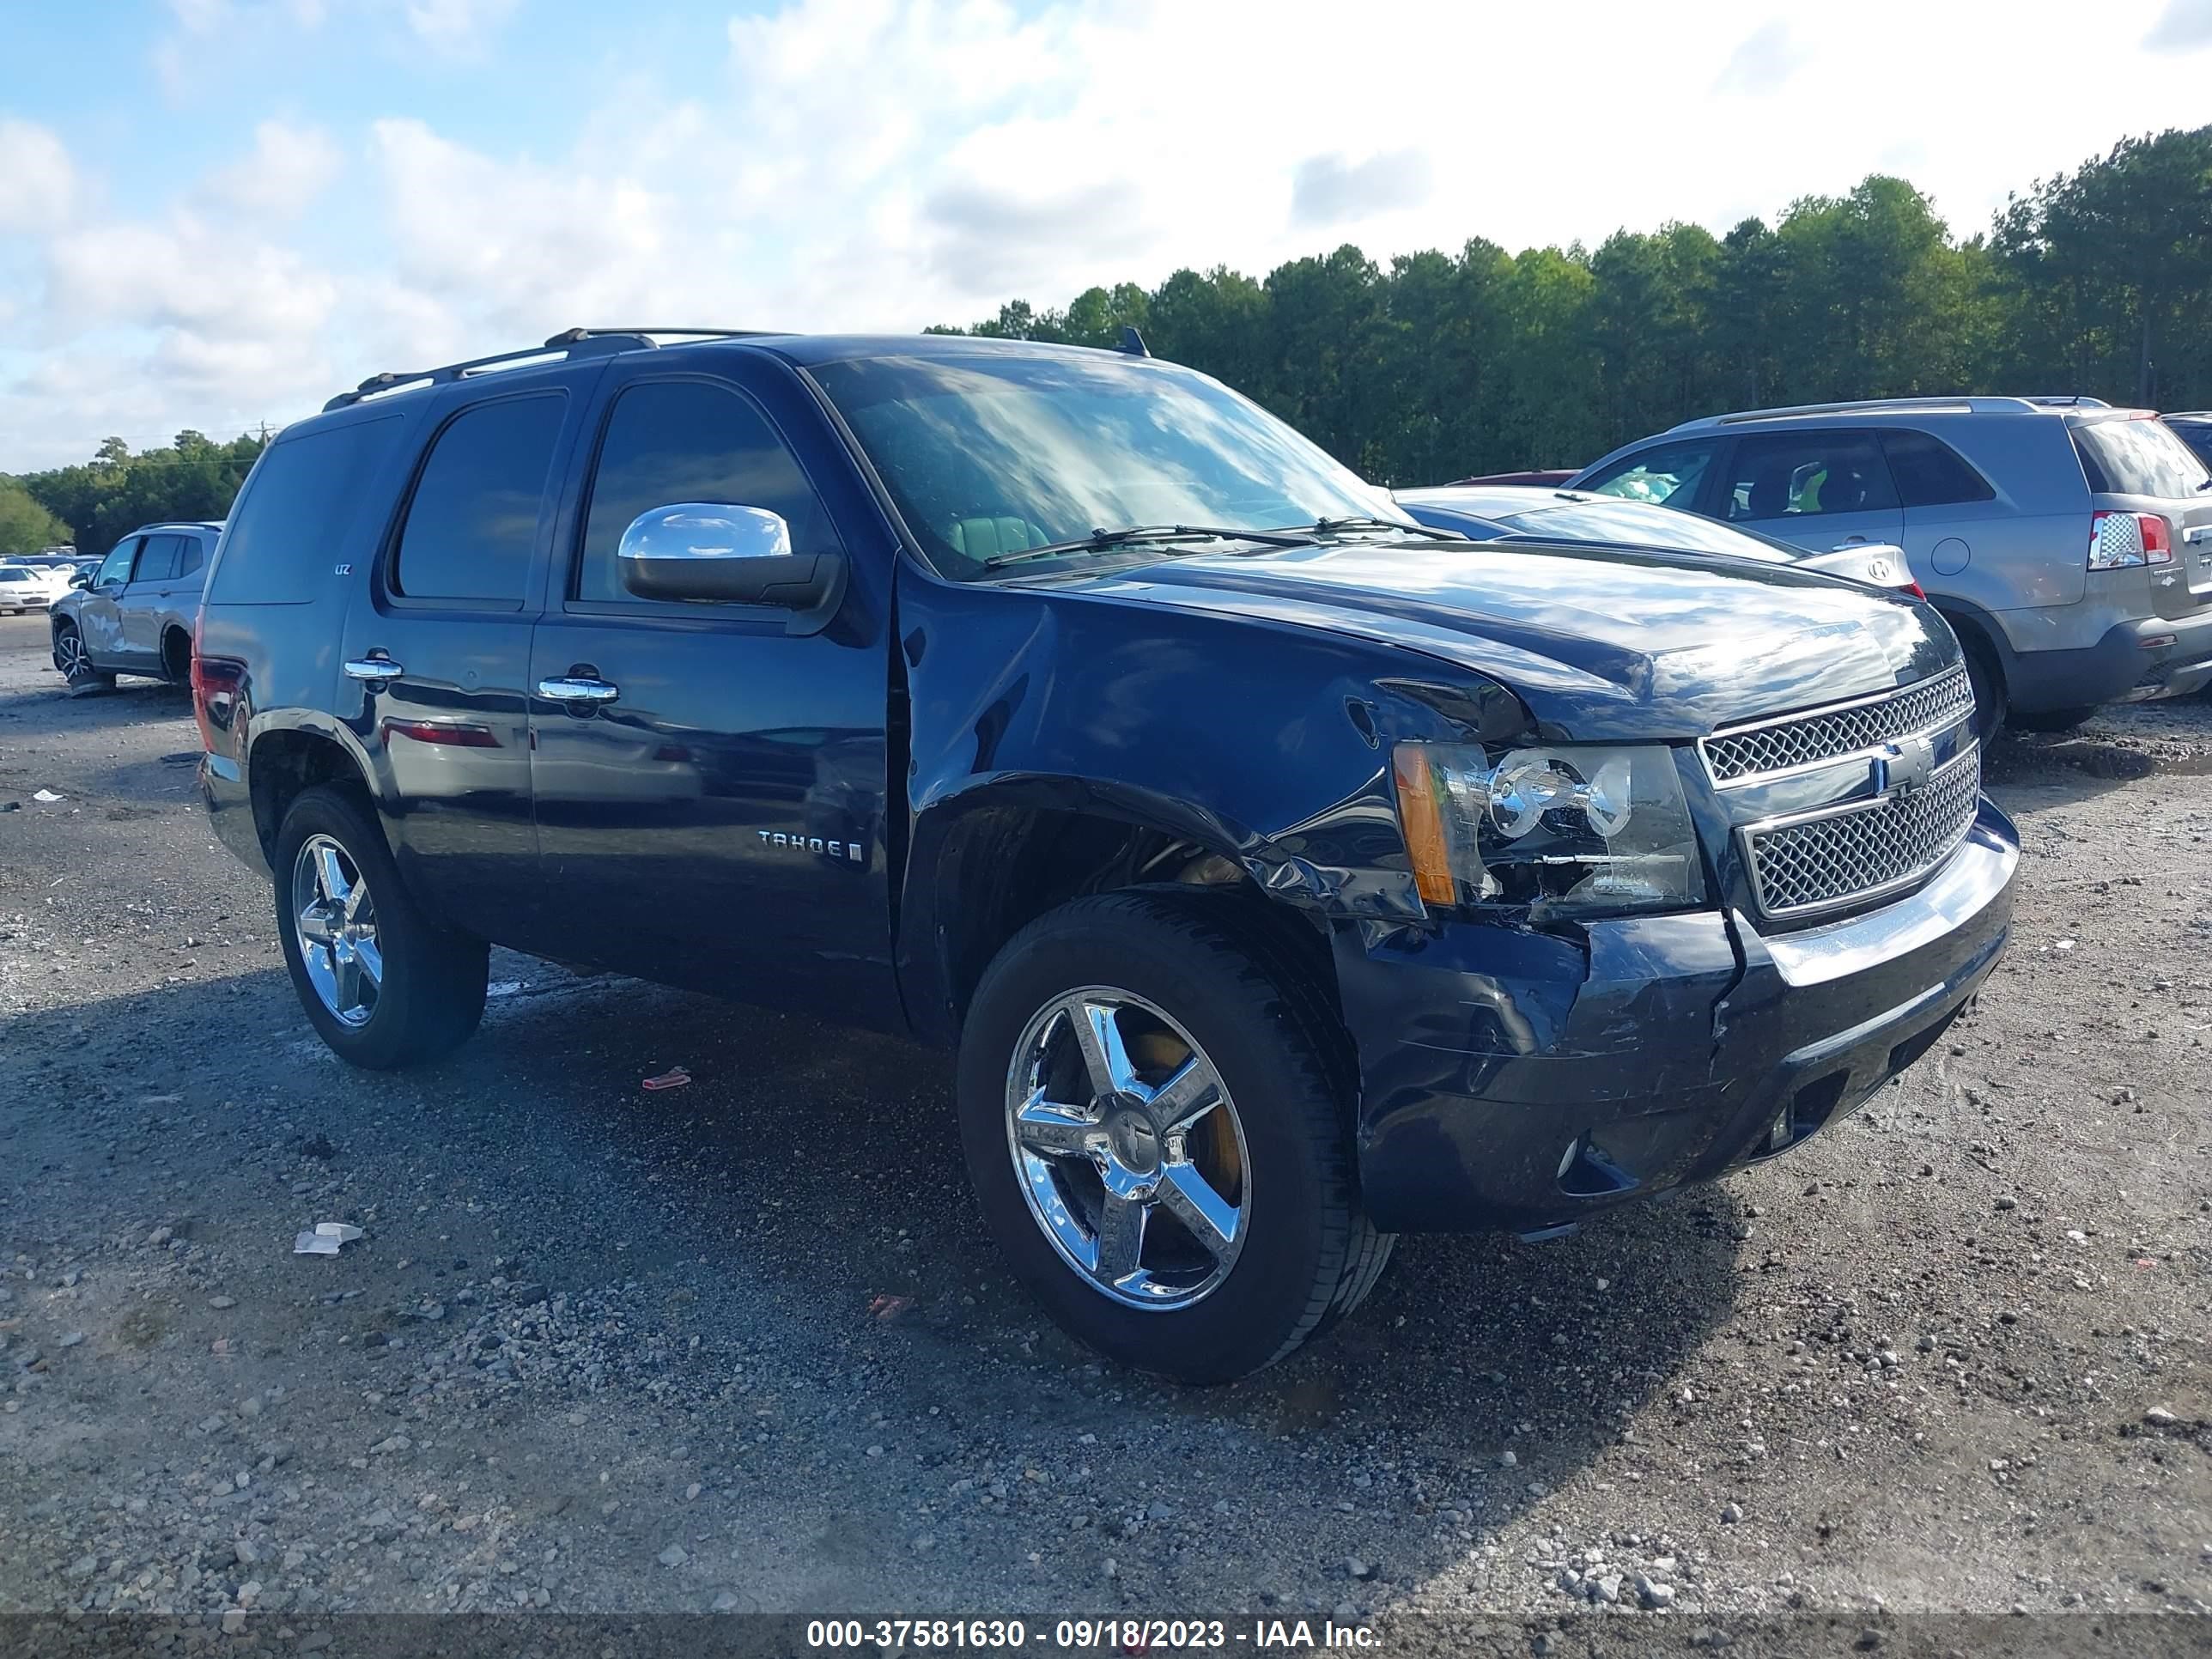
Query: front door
{"type": "Point", "coordinates": [1822, 491]}
{"type": "Point", "coordinates": [99, 614]}
{"type": "Point", "coordinates": [435, 655]}
{"type": "Point", "coordinates": [715, 819]}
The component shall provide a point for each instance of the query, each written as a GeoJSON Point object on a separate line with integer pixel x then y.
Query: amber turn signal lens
{"type": "Point", "coordinates": [1421, 817]}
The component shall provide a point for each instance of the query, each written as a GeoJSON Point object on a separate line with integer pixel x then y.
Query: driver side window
{"type": "Point", "coordinates": [1667, 474]}
{"type": "Point", "coordinates": [115, 568]}
{"type": "Point", "coordinates": [671, 441]}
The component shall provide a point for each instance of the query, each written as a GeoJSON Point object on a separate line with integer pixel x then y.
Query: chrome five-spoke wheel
{"type": "Point", "coordinates": [1127, 1149]}
{"type": "Point", "coordinates": [335, 919]}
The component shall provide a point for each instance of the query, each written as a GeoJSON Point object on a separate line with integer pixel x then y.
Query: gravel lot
{"type": "Point", "coordinates": [602, 1349]}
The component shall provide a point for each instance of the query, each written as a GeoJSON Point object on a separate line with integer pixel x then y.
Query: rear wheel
{"type": "Point", "coordinates": [1988, 681]}
{"type": "Point", "coordinates": [1156, 1142]}
{"type": "Point", "coordinates": [384, 985]}
{"type": "Point", "coordinates": [75, 663]}
{"type": "Point", "coordinates": [177, 657]}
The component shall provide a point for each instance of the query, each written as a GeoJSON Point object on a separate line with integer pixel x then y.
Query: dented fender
{"type": "Point", "coordinates": [1264, 742]}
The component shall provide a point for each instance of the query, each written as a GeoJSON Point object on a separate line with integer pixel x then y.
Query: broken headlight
{"type": "Point", "coordinates": [1571, 830]}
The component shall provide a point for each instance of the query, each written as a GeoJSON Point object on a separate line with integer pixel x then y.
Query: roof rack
{"type": "Point", "coordinates": [569, 343]}
{"type": "Point", "coordinates": [1963, 405]}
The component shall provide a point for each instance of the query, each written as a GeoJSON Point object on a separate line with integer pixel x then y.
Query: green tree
{"type": "Point", "coordinates": [26, 526]}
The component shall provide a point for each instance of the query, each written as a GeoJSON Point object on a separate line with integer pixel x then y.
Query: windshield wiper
{"type": "Point", "coordinates": [1372, 521]}
{"type": "Point", "coordinates": [1099, 541]}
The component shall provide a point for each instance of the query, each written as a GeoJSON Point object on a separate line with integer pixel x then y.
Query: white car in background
{"type": "Point", "coordinates": [30, 587]}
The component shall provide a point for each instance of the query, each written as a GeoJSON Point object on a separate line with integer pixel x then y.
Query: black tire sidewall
{"type": "Point", "coordinates": [423, 1005]}
{"type": "Point", "coordinates": [1294, 1247]}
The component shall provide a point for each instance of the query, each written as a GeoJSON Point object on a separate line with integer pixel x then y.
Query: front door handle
{"type": "Point", "coordinates": [1848, 544]}
{"type": "Point", "coordinates": [373, 671]}
{"type": "Point", "coordinates": [571, 689]}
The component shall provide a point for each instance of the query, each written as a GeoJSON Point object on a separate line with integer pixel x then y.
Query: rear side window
{"type": "Point", "coordinates": [158, 562]}
{"type": "Point", "coordinates": [671, 441]}
{"type": "Point", "coordinates": [1800, 475]}
{"type": "Point", "coordinates": [2137, 458]}
{"type": "Point", "coordinates": [1930, 473]}
{"type": "Point", "coordinates": [472, 523]}
{"type": "Point", "coordinates": [1664, 473]}
{"type": "Point", "coordinates": [293, 515]}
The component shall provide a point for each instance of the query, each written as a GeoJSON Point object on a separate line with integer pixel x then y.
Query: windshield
{"type": "Point", "coordinates": [1649, 527]}
{"type": "Point", "coordinates": [987, 455]}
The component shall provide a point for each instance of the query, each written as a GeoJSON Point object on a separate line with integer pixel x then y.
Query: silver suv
{"type": "Point", "coordinates": [2068, 543]}
{"type": "Point", "coordinates": [136, 617]}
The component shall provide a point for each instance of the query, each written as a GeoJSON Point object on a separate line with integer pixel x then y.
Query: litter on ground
{"type": "Point", "coordinates": [49, 795]}
{"type": "Point", "coordinates": [675, 1078]}
{"type": "Point", "coordinates": [326, 1238]}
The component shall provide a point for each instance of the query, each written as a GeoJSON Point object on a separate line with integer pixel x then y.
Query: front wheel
{"type": "Point", "coordinates": [75, 663]}
{"type": "Point", "coordinates": [1155, 1140]}
{"type": "Point", "coordinates": [384, 985]}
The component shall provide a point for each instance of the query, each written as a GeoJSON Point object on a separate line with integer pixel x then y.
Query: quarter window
{"type": "Point", "coordinates": [472, 523]}
{"type": "Point", "coordinates": [1667, 473]}
{"type": "Point", "coordinates": [289, 525]}
{"type": "Point", "coordinates": [670, 442]}
{"type": "Point", "coordinates": [1805, 475]}
{"type": "Point", "coordinates": [195, 554]}
{"type": "Point", "coordinates": [1930, 473]}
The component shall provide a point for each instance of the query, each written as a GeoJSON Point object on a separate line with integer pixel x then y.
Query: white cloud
{"type": "Point", "coordinates": [890, 163]}
{"type": "Point", "coordinates": [289, 167]}
{"type": "Point", "coordinates": [1763, 60]}
{"type": "Point", "coordinates": [37, 183]}
{"type": "Point", "coordinates": [457, 25]}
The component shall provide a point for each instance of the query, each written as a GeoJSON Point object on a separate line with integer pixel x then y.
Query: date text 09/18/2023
{"type": "Point", "coordinates": [1121, 1633]}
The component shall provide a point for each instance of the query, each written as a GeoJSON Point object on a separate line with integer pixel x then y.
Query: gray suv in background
{"type": "Point", "coordinates": [2069, 543]}
{"type": "Point", "coordinates": [137, 616]}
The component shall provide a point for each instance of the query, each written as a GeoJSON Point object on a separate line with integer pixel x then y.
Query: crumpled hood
{"type": "Point", "coordinates": [1598, 642]}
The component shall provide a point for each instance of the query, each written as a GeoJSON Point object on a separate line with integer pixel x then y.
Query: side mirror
{"type": "Point", "coordinates": [705, 553]}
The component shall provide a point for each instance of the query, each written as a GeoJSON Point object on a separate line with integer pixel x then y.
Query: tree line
{"type": "Point", "coordinates": [94, 504]}
{"type": "Point", "coordinates": [1438, 365]}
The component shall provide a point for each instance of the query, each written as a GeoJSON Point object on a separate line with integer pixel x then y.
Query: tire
{"type": "Point", "coordinates": [75, 664]}
{"type": "Point", "coordinates": [177, 657]}
{"type": "Point", "coordinates": [1988, 681]}
{"type": "Point", "coordinates": [1180, 973]}
{"type": "Point", "coordinates": [428, 982]}
{"type": "Point", "coordinates": [2052, 720]}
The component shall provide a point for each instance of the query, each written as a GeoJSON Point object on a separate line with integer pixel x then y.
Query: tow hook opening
{"type": "Point", "coordinates": [1588, 1171]}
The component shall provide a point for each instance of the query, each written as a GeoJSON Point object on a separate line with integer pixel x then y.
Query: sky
{"type": "Point", "coordinates": [216, 213]}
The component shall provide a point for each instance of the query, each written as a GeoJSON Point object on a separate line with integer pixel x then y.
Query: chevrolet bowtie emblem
{"type": "Point", "coordinates": [1903, 765]}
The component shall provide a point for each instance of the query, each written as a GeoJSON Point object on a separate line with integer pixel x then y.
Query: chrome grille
{"type": "Point", "coordinates": [1859, 852]}
{"type": "Point", "coordinates": [1795, 741]}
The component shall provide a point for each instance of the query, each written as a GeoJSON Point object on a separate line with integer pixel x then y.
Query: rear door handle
{"type": "Point", "coordinates": [373, 671]}
{"type": "Point", "coordinates": [568, 689]}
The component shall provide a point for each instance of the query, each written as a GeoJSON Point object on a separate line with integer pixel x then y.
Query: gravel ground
{"type": "Point", "coordinates": [743, 1345]}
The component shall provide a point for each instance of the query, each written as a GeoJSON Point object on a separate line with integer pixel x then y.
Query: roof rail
{"type": "Point", "coordinates": [2067, 400]}
{"type": "Point", "coordinates": [1962, 404]}
{"type": "Point", "coordinates": [569, 335]}
{"type": "Point", "coordinates": [555, 350]}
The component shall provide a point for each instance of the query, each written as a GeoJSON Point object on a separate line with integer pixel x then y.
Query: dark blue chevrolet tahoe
{"type": "Point", "coordinates": [1286, 875]}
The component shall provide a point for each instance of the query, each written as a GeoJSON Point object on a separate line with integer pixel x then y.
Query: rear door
{"type": "Point", "coordinates": [717, 820]}
{"type": "Point", "coordinates": [100, 615]}
{"type": "Point", "coordinates": [149, 597]}
{"type": "Point", "coordinates": [1822, 491]}
{"type": "Point", "coordinates": [436, 654]}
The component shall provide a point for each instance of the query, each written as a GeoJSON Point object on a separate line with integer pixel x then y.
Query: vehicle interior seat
{"type": "Point", "coordinates": [987, 537]}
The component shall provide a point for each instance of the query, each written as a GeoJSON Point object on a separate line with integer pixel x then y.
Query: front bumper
{"type": "Point", "coordinates": [1522, 1080]}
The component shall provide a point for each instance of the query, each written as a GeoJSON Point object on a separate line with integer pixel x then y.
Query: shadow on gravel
{"type": "Point", "coordinates": [807, 1170]}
